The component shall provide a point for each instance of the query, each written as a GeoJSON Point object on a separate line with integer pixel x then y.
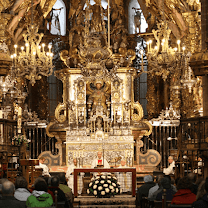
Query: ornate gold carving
{"type": "Point", "coordinates": [60, 112]}
{"type": "Point", "coordinates": [150, 128]}
{"type": "Point", "coordinates": [139, 114]}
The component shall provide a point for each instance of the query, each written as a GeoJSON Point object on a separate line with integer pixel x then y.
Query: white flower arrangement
{"type": "Point", "coordinates": [104, 186]}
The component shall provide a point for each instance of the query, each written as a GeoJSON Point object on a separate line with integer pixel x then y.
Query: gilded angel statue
{"type": "Point", "coordinates": [100, 95]}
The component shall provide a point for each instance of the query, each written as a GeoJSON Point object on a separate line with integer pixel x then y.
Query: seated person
{"type": "Point", "coordinates": [170, 169]}
{"type": "Point", "coordinates": [70, 177]}
{"type": "Point", "coordinates": [144, 189]}
{"type": "Point", "coordinates": [65, 188]}
{"type": "Point", "coordinates": [21, 190]}
{"type": "Point", "coordinates": [43, 166]}
{"type": "Point", "coordinates": [8, 200]}
{"type": "Point", "coordinates": [124, 178]}
{"type": "Point", "coordinates": [184, 194]}
{"type": "Point", "coordinates": [154, 188]}
{"type": "Point", "coordinates": [165, 184]}
{"type": "Point", "coordinates": [100, 161]}
{"type": "Point", "coordinates": [55, 187]}
{"type": "Point", "coordinates": [40, 197]}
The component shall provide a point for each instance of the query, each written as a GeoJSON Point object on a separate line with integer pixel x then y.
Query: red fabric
{"type": "Point", "coordinates": [99, 162]}
{"type": "Point", "coordinates": [183, 196]}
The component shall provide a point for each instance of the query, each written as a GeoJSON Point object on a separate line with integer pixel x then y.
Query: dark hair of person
{"type": "Point", "coordinates": [167, 176]}
{"type": "Point", "coordinates": [62, 178]}
{"type": "Point", "coordinates": [21, 182]}
{"type": "Point", "coordinates": [55, 181]}
{"type": "Point", "coordinates": [46, 178]}
{"type": "Point", "coordinates": [40, 185]}
{"type": "Point", "coordinates": [184, 183]}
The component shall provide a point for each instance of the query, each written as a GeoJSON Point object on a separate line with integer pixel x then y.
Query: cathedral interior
{"type": "Point", "coordinates": [125, 77]}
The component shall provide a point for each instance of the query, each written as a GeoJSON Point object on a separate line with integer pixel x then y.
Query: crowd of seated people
{"type": "Point", "coordinates": [184, 191]}
{"type": "Point", "coordinates": [43, 192]}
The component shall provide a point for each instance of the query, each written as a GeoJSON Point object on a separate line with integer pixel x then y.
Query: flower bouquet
{"type": "Point", "coordinates": [104, 186]}
{"type": "Point", "coordinates": [19, 139]}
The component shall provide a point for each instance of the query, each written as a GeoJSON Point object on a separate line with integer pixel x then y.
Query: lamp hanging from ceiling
{"type": "Point", "coordinates": [32, 62]}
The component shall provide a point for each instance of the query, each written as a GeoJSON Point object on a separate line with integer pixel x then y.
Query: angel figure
{"type": "Point", "coordinates": [100, 95]}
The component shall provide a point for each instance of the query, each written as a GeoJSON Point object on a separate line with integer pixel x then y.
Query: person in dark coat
{"type": "Point", "coordinates": [8, 200]}
{"type": "Point", "coordinates": [184, 195]}
{"type": "Point", "coordinates": [165, 184]}
{"type": "Point", "coordinates": [55, 181]}
{"type": "Point", "coordinates": [202, 202]}
{"type": "Point", "coordinates": [144, 189]}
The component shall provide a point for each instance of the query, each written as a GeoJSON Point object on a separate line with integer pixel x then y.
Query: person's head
{"type": "Point", "coordinates": [159, 177]}
{"type": "Point", "coordinates": [8, 188]}
{"type": "Point", "coordinates": [123, 162]}
{"type": "Point", "coordinates": [21, 182]}
{"type": "Point", "coordinates": [40, 184]}
{"type": "Point", "coordinates": [2, 180]}
{"type": "Point", "coordinates": [192, 177]}
{"type": "Point", "coordinates": [75, 162]}
{"type": "Point", "coordinates": [165, 183]}
{"type": "Point", "coordinates": [170, 159]}
{"type": "Point", "coordinates": [184, 183]}
{"type": "Point", "coordinates": [62, 178]}
{"type": "Point", "coordinates": [41, 160]}
{"type": "Point", "coordinates": [148, 178]}
{"type": "Point", "coordinates": [46, 178]}
{"type": "Point", "coordinates": [55, 181]}
{"type": "Point", "coordinates": [99, 154]}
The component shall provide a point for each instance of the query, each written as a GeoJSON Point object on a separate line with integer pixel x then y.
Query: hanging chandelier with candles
{"type": "Point", "coordinates": [33, 62]}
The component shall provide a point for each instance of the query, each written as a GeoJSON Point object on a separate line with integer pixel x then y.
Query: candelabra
{"type": "Point", "coordinates": [32, 61]}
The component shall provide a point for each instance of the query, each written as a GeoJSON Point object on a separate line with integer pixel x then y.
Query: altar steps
{"type": "Point", "coordinates": [119, 201]}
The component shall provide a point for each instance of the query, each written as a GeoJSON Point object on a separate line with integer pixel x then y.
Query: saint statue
{"type": "Point", "coordinates": [97, 12]}
{"type": "Point", "coordinates": [100, 95]}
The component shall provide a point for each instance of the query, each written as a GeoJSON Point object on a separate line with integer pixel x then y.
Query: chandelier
{"type": "Point", "coordinates": [33, 61]}
{"type": "Point", "coordinates": [166, 61]}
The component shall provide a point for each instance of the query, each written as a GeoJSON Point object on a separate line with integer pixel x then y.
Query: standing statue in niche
{"type": "Point", "coordinates": [100, 95]}
{"type": "Point", "coordinates": [97, 13]}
